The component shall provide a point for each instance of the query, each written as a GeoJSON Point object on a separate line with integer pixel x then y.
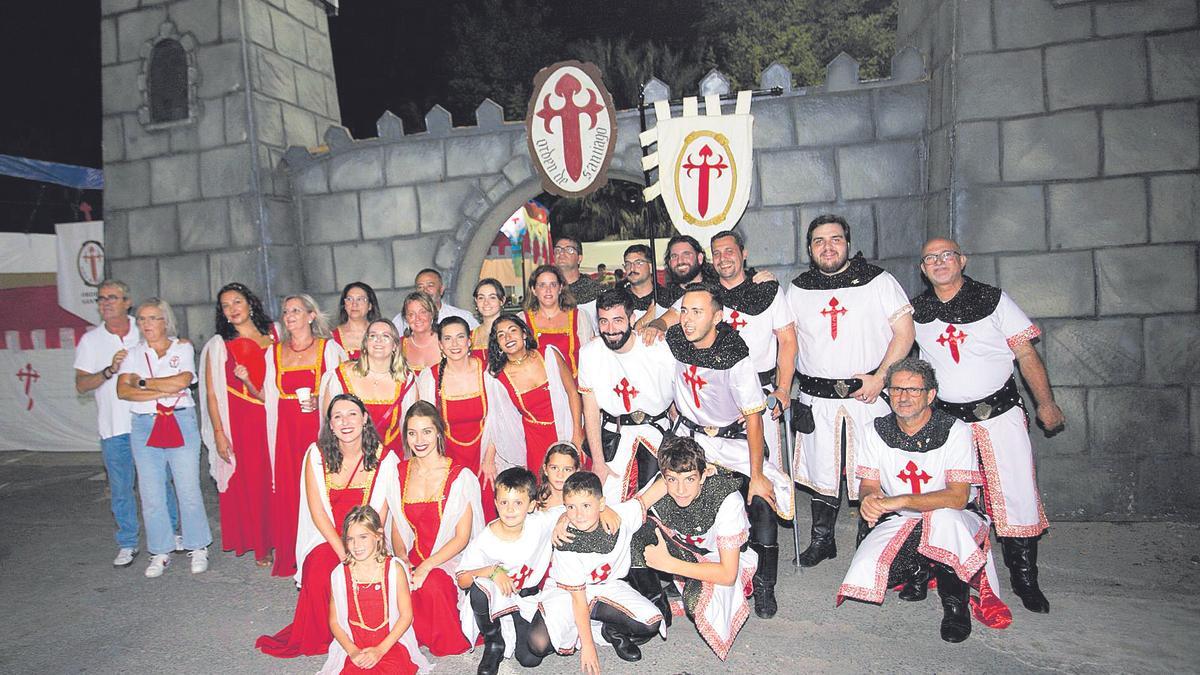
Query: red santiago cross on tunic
{"type": "Point", "coordinates": [833, 312]}
{"type": "Point", "coordinates": [626, 392]}
{"type": "Point", "coordinates": [910, 476]}
{"type": "Point", "coordinates": [601, 573]}
{"type": "Point", "coordinates": [521, 576]}
{"type": "Point", "coordinates": [735, 320]}
{"type": "Point", "coordinates": [695, 382]}
{"type": "Point", "coordinates": [29, 375]}
{"type": "Point", "coordinates": [950, 339]}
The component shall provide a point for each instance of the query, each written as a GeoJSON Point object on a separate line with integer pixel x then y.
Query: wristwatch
{"type": "Point", "coordinates": [107, 372]}
{"type": "Point", "coordinates": [141, 383]}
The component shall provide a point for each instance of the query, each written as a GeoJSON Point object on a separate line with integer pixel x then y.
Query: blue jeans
{"type": "Point", "coordinates": [118, 461]}
{"type": "Point", "coordinates": [184, 463]}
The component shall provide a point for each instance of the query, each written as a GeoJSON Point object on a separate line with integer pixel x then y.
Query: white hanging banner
{"type": "Point", "coordinates": [39, 409]}
{"type": "Point", "coordinates": [705, 165]}
{"type": "Point", "coordinates": [80, 266]}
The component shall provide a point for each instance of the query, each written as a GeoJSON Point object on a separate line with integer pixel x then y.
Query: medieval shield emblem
{"type": "Point", "coordinates": [705, 164]}
{"type": "Point", "coordinates": [571, 128]}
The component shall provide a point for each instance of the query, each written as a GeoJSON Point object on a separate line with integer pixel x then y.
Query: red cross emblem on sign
{"type": "Point", "coordinates": [693, 540]}
{"type": "Point", "coordinates": [951, 338]}
{"type": "Point", "coordinates": [705, 170]}
{"type": "Point", "coordinates": [521, 576]}
{"type": "Point", "coordinates": [601, 573]}
{"type": "Point", "coordinates": [626, 392]}
{"type": "Point", "coordinates": [910, 476]}
{"type": "Point", "coordinates": [568, 116]}
{"type": "Point", "coordinates": [29, 375]}
{"type": "Point", "coordinates": [833, 313]}
{"type": "Point", "coordinates": [735, 320]}
{"type": "Point", "coordinates": [695, 382]}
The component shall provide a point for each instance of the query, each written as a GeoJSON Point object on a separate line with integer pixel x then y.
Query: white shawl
{"type": "Point", "coordinates": [334, 354]}
{"type": "Point", "coordinates": [503, 425]}
{"type": "Point", "coordinates": [212, 364]}
{"type": "Point", "coordinates": [464, 495]}
{"type": "Point", "coordinates": [337, 656]}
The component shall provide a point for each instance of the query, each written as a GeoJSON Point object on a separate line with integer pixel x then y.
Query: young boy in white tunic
{"type": "Point", "coordinates": [586, 599]}
{"type": "Point", "coordinates": [501, 570]}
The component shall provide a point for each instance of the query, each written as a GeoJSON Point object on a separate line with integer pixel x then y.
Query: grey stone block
{"type": "Point", "coordinates": [880, 170]}
{"type": "Point", "coordinates": [198, 18]}
{"type": "Point", "coordinates": [475, 155]}
{"type": "Point", "coordinates": [1098, 213]}
{"type": "Point", "coordinates": [183, 279]}
{"type": "Point", "coordinates": [991, 219]}
{"type": "Point", "coordinates": [975, 26]}
{"type": "Point", "coordinates": [1069, 486]}
{"type": "Point", "coordinates": [489, 114]}
{"type": "Point", "coordinates": [310, 90]}
{"type": "Point", "coordinates": [116, 235]}
{"type": "Point", "coordinates": [268, 120]}
{"type": "Point", "coordinates": [415, 161]}
{"type": "Point", "coordinates": [773, 125]}
{"type": "Point", "coordinates": [1028, 23]}
{"type": "Point", "coordinates": [134, 29]}
{"type": "Point", "coordinates": [447, 258]}
{"type": "Point", "coordinates": [1172, 349]}
{"type": "Point", "coordinates": [769, 236]}
{"type": "Point", "coordinates": [220, 67]}
{"type": "Point", "coordinates": [1093, 352]}
{"type": "Point", "coordinates": [796, 177]}
{"type": "Point", "coordinates": [337, 137]}
{"type": "Point", "coordinates": [153, 231]}
{"type": "Point", "coordinates": [518, 169]}
{"type": "Point", "coordinates": [1159, 138]}
{"type": "Point", "coordinates": [141, 274]}
{"type": "Point", "coordinates": [901, 111]}
{"type": "Point", "coordinates": [1175, 208]}
{"type": "Point", "coordinates": [1072, 440]}
{"type": "Point", "coordinates": [939, 162]}
{"type": "Point", "coordinates": [1096, 73]}
{"type": "Point", "coordinates": [311, 179]}
{"type": "Point", "coordinates": [112, 139]}
{"type": "Point", "coordinates": [1175, 64]}
{"type": "Point", "coordinates": [117, 93]}
{"type": "Point", "coordinates": [299, 127]}
{"type": "Point", "coordinates": [231, 22]}
{"type": "Point", "coordinates": [276, 76]}
{"type": "Point", "coordinates": [236, 119]}
{"type": "Point", "coordinates": [1195, 396]}
{"type": "Point", "coordinates": [410, 256]}
{"type": "Point", "coordinates": [320, 57]}
{"type": "Point", "coordinates": [331, 101]}
{"type": "Point", "coordinates": [441, 204]}
{"type": "Point", "coordinates": [224, 172]}
{"type": "Point", "coordinates": [901, 231]}
{"type": "Point", "coordinates": [715, 82]}
{"type": "Point", "coordinates": [999, 85]}
{"type": "Point", "coordinates": [110, 7]}
{"type": "Point", "coordinates": [243, 221]}
{"type": "Point", "coordinates": [1029, 278]}
{"type": "Point", "coordinates": [776, 75]}
{"type": "Point", "coordinates": [389, 126]}
{"type": "Point", "coordinates": [258, 23]}
{"type": "Point", "coordinates": [497, 188]}
{"type": "Point", "coordinates": [204, 225]}
{"type": "Point", "coordinates": [303, 10]}
{"type": "Point", "coordinates": [317, 264]}
{"type": "Point", "coordinates": [977, 153]}
{"type": "Point", "coordinates": [859, 215]}
{"type": "Point", "coordinates": [907, 65]}
{"type": "Point", "coordinates": [126, 185]}
{"type": "Point", "coordinates": [281, 221]}
{"type": "Point", "coordinates": [833, 118]}
{"type": "Point", "coordinates": [1131, 17]}
{"type": "Point", "coordinates": [108, 41]}
{"type": "Point", "coordinates": [438, 121]}
{"type": "Point", "coordinates": [355, 170]}
{"type": "Point", "coordinates": [1065, 145]}
{"type": "Point", "coordinates": [657, 90]}
{"type": "Point", "coordinates": [369, 262]}
{"type": "Point", "coordinates": [906, 273]}
{"type": "Point", "coordinates": [210, 124]}
{"type": "Point", "coordinates": [289, 36]}
{"type": "Point", "coordinates": [390, 212]}
{"type": "Point", "coordinates": [184, 139]}
{"type": "Point", "coordinates": [841, 73]}
{"type": "Point", "coordinates": [141, 142]}
{"type": "Point", "coordinates": [174, 179]}
{"type": "Point", "coordinates": [1138, 420]}
{"type": "Point", "coordinates": [245, 267]}
{"type": "Point", "coordinates": [1147, 279]}
{"type": "Point", "coordinates": [331, 218]}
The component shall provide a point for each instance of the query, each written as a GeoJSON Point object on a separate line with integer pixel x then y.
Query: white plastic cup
{"type": "Point", "coordinates": [304, 394]}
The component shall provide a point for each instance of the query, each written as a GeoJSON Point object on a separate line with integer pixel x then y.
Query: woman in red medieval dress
{"type": "Point", "coordinates": [553, 319]}
{"type": "Point", "coordinates": [490, 297]}
{"type": "Point", "coordinates": [419, 343]}
{"type": "Point", "coordinates": [357, 308]}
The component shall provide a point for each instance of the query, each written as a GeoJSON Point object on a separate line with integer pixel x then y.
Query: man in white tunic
{"type": "Point", "coordinates": [721, 404]}
{"type": "Point", "coordinates": [626, 389]}
{"type": "Point", "coordinates": [853, 320]}
{"type": "Point", "coordinates": [971, 332]}
{"type": "Point", "coordinates": [918, 473]}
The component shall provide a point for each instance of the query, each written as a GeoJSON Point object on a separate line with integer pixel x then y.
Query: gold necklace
{"type": "Point", "coordinates": [361, 623]}
{"type": "Point", "coordinates": [523, 359]}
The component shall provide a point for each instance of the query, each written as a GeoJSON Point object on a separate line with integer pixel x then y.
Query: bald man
{"type": "Point", "coordinates": [972, 332]}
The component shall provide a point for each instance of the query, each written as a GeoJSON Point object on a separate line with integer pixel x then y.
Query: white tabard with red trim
{"type": "Point", "coordinates": [974, 360]}
{"type": "Point", "coordinates": [841, 332]}
{"type": "Point", "coordinates": [526, 559]}
{"type": "Point", "coordinates": [638, 380]}
{"type": "Point", "coordinates": [599, 576]}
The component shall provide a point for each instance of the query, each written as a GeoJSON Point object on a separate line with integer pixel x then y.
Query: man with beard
{"type": "Point", "coordinates": [626, 388]}
{"type": "Point", "coordinates": [853, 320]}
{"type": "Point", "coordinates": [639, 281]}
{"type": "Point", "coordinates": [971, 333]}
{"type": "Point", "coordinates": [720, 405]}
{"type": "Point", "coordinates": [919, 473]}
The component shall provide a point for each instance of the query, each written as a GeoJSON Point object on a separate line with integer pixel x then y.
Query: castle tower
{"type": "Point", "coordinates": [200, 100]}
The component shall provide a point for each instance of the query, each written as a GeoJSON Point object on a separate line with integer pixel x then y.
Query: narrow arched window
{"type": "Point", "coordinates": [168, 82]}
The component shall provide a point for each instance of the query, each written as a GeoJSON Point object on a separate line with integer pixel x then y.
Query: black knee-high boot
{"type": "Point", "coordinates": [955, 596]}
{"type": "Point", "coordinates": [823, 546]}
{"type": "Point", "coordinates": [646, 582]}
{"type": "Point", "coordinates": [493, 641]}
{"type": "Point", "coordinates": [622, 631]}
{"type": "Point", "coordinates": [1020, 557]}
{"type": "Point", "coordinates": [764, 539]}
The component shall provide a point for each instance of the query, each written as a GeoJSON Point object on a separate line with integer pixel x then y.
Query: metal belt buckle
{"type": "Point", "coordinates": [712, 431]}
{"type": "Point", "coordinates": [842, 388]}
{"type": "Point", "coordinates": [637, 416]}
{"type": "Point", "coordinates": [983, 411]}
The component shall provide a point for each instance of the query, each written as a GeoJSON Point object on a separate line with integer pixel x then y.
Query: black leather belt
{"type": "Point", "coordinates": [635, 417]}
{"type": "Point", "coordinates": [823, 387]}
{"type": "Point", "coordinates": [767, 378]}
{"type": "Point", "coordinates": [735, 431]}
{"type": "Point", "coordinates": [1007, 398]}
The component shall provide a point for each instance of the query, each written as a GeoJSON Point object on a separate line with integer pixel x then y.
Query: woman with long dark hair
{"type": "Point", "coordinates": [553, 318]}
{"type": "Point", "coordinates": [357, 308]}
{"type": "Point", "coordinates": [233, 420]}
{"type": "Point", "coordinates": [339, 473]}
{"type": "Point", "coordinates": [490, 297]}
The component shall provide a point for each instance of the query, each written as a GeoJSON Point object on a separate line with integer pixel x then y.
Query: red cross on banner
{"type": "Point", "coordinates": [30, 376]}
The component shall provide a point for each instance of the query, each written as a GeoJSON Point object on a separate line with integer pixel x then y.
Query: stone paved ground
{"type": "Point", "coordinates": [1124, 598]}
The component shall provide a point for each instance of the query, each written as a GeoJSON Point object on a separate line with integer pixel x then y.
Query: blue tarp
{"type": "Point", "coordinates": [70, 175]}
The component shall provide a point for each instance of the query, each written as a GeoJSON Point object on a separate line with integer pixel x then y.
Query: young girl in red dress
{"type": "Point", "coordinates": [370, 613]}
{"type": "Point", "coordinates": [340, 470]}
{"type": "Point", "coordinates": [435, 504]}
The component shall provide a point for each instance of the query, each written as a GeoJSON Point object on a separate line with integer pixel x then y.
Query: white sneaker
{"type": "Point", "coordinates": [125, 557]}
{"type": "Point", "coordinates": [158, 563]}
{"type": "Point", "coordinates": [178, 543]}
{"type": "Point", "coordinates": [199, 560]}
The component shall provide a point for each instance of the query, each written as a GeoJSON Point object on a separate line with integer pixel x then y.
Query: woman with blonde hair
{"type": "Point", "coordinates": [419, 343]}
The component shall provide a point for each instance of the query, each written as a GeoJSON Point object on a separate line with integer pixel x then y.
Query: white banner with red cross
{"type": "Point", "coordinates": [80, 266]}
{"type": "Point", "coordinates": [39, 409]}
{"type": "Point", "coordinates": [705, 164]}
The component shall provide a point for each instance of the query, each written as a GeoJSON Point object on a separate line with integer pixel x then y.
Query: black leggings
{"type": "Point", "coordinates": [533, 640]}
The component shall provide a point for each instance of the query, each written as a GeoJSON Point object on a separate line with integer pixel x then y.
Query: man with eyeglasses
{"type": "Point", "coordinates": [98, 358]}
{"type": "Point", "coordinates": [429, 281]}
{"type": "Point", "coordinates": [639, 280]}
{"type": "Point", "coordinates": [919, 477]}
{"type": "Point", "coordinates": [972, 332]}
{"type": "Point", "coordinates": [568, 253]}
{"type": "Point", "coordinates": [853, 320]}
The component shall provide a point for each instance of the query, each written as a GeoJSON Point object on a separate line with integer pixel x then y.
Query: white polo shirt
{"type": "Point", "coordinates": [145, 363]}
{"type": "Point", "coordinates": [94, 353]}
